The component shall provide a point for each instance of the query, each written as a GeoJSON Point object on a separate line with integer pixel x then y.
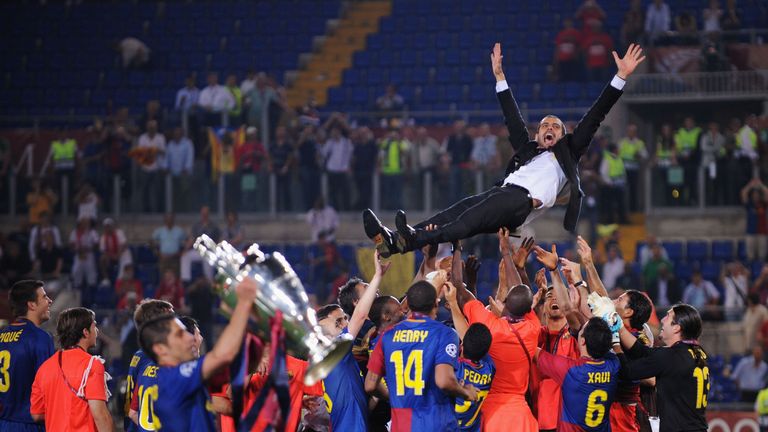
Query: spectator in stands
{"type": "Point", "coordinates": [651, 267]}
{"type": "Point", "coordinates": [187, 97]}
{"type": "Point", "coordinates": [567, 62]}
{"type": "Point", "coordinates": [179, 161]}
{"type": "Point", "coordinates": [746, 139]}
{"type": "Point", "coordinates": [133, 52]}
{"type": "Point", "coordinates": [169, 241]}
{"type": "Point", "coordinates": [687, 153]}
{"type": "Point", "coordinates": [750, 374]}
{"type": "Point", "coordinates": [711, 17]}
{"type": "Point", "coordinates": [658, 20]}
{"type": "Point", "coordinates": [153, 111]}
{"type": "Point", "coordinates": [614, 182]}
{"type": "Point", "coordinates": [64, 159]}
{"type": "Point", "coordinates": [249, 83]}
{"type": "Point", "coordinates": [664, 158]}
{"type": "Point", "coordinates": [597, 46]}
{"type": "Point", "coordinates": [15, 263]}
{"type": "Point", "coordinates": [712, 57]}
{"type": "Point", "coordinates": [204, 226]}
{"type": "Point", "coordinates": [91, 157]}
{"type": "Point", "coordinates": [234, 232]}
{"type": "Point", "coordinates": [258, 101]}
{"type": "Point", "coordinates": [687, 31]}
{"type": "Point", "coordinates": [171, 290]}
{"type": "Point", "coordinates": [87, 202]}
{"type": "Point", "coordinates": [736, 169]}
{"type": "Point", "coordinates": [323, 221]}
{"type": "Point", "coordinates": [485, 155]}
{"type": "Point", "coordinates": [390, 101]}
{"type": "Point", "coordinates": [83, 241]}
{"type": "Point", "coordinates": [712, 143]}
{"type": "Point", "coordinates": [634, 153]}
{"type": "Point", "coordinates": [214, 100]}
{"type": "Point", "coordinates": [309, 162]}
{"type": "Point", "coordinates": [365, 156]}
{"type": "Point", "coordinates": [700, 293]}
{"type": "Point", "coordinates": [754, 197]}
{"type": "Point", "coordinates": [150, 158]}
{"type": "Point", "coordinates": [282, 156]}
{"type": "Point", "coordinates": [589, 12]}
{"type": "Point", "coordinates": [252, 158]}
{"type": "Point", "coordinates": [634, 20]}
{"type": "Point", "coordinates": [49, 264]}
{"type": "Point", "coordinates": [629, 279]}
{"type": "Point", "coordinates": [337, 153]}
{"type": "Point", "coordinates": [327, 265]}
{"type": "Point", "coordinates": [613, 268]}
{"type": "Point", "coordinates": [394, 162]}
{"type": "Point", "coordinates": [114, 250]}
{"type": "Point", "coordinates": [37, 233]}
{"type": "Point", "coordinates": [425, 158]}
{"type": "Point", "coordinates": [458, 148]}
{"type": "Point", "coordinates": [756, 314]}
{"type": "Point", "coordinates": [40, 200]}
{"type": "Point", "coordinates": [236, 112]}
{"type": "Point", "coordinates": [735, 281]}
{"type": "Point", "coordinates": [730, 20]}
{"type": "Point", "coordinates": [128, 289]}
{"type": "Point", "coordinates": [664, 289]}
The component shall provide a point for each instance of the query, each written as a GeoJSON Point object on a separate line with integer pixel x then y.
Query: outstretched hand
{"type": "Point", "coordinates": [496, 57]}
{"type": "Point", "coordinates": [521, 254]}
{"type": "Point", "coordinates": [626, 65]}
{"type": "Point", "coordinates": [549, 259]}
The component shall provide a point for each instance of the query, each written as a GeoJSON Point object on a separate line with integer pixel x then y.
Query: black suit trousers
{"type": "Point", "coordinates": [501, 206]}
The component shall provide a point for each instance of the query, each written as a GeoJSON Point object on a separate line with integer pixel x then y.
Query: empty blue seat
{"type": "Point", "coordinates": [710, 270]}
{"type": "Point", "coordinates": [697, 250]}
{"type": "Point", "coordinates": [674, 250]}
{"type": "Point", "coordinates": [683, 270]}
{"type": "Point", "coordinates": [722, 250]}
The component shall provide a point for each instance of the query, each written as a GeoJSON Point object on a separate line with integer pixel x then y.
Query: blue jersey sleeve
{"type": "Point", "coordinates": [184, 379]}
{"type": "Point", "coordinates": [447, 348]}
{"type": "Point", "coordinates": [43, 348]}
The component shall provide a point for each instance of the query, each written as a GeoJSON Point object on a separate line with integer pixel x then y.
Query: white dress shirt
{"type": "Point", "coordinates": [157, 141]}
{"type": "Point", "coordinates": [217, 98]}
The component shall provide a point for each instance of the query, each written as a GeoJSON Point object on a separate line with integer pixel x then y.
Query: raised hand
{"type": "Point", "coordinates": [496, 57]}
{"type": "Point", "coordinates": [504, 246]}
{"type": "Point", "coordinates": [541, 279]}
{"type": "Point", "coordinates": [495, 306]}
{"type": "Point", "coordinates": [549, 259]}
{"type": "Point", "coordinates": [626, 65]}
{"type": "Point", "coordinates": [471, 268]}
{"type": "Point", "coordinates": [379, 267]}
{"type": "Point", "coordinates": [521, 254]}
{"type": "Point", "coordinates": [573, 269]}
{"type": "Point", "coordinates": [583, 249]}
{"type": "Point", "coordinates": [450, 293]}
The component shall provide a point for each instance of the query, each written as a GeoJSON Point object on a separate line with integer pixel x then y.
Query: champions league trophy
{"type": "Point", "coordinates": [280, 289]}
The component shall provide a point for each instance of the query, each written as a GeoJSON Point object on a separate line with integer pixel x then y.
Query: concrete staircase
{"type": "Point", "coordinates": [326, 65]}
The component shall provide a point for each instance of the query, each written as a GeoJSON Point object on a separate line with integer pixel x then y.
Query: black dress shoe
{"type": "Point", "coordinates": [406, 232]}
{"type": "Point", "coordinates": [385, 239]}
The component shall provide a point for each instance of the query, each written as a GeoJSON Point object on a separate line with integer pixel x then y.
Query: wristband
{"type": "Point", "coordinates": [580, 283]}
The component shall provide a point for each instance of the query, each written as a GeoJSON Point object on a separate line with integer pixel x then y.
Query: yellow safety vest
{"type": "Point", "coordinates": [64, 153]}
{"type": "Point", "coordinates": [686, 140]}
{"type": "Point", "coordinates": [762, 402]}
{"type": "Point", "coordinates": [238, 96]}
{"type": "Point", "coordinates": [391, 162]}
{"type": "Point", "coordinates": [615, 165]}
{"type": "Point", "coordinates": [628, 148]}
{"type": "Point", "coordinates": [752, 138]}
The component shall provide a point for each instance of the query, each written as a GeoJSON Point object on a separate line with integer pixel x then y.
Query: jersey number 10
{"type": "Point", "coordinates": [147, 419]}
{"type": "Point", "coordinates": [412, 376]}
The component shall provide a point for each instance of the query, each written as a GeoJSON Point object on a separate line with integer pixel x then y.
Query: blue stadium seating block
{"type": "Point", "coordinates": [722, 250]}
{"type": "Point", "coordinates": [697, 250]}
{"type": "Point", "coordinates": [674, 250]}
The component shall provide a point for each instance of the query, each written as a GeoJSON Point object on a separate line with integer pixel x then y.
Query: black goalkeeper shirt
{"type": "Point", "coordinates": [681, 385]}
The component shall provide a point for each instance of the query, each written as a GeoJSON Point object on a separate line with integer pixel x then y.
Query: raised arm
{"type": "Point", "coordinates": [518, 133]}
{"type": "Point", "coordinates": [594, 282]}
{"type": "Point", "coordinates": [511, 276]}
{"type": "Point", "coordinates": [459, 321]}
{"type": "Point", "coordinates": [587, 127]}
{"type": "Point", "coordinates": [369, 295]}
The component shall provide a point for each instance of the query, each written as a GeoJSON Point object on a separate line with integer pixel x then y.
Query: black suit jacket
{"type": "Point", "coordinates": [568, 150]}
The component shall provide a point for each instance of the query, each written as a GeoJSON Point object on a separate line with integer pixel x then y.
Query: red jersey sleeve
{"type": "Point", "coordinates": [555, 366]}
{"type": "Point", "coordinates": [135, 399]}
{"type": "Point", "coordinates": [37, 402]}
{"type": "Point", "coordinates": [376, 360]}
{"type": "Point", "coordinates": [96, 387]}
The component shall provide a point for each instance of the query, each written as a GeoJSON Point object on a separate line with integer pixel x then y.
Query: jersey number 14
{"type": "Point", "coordinates": [412, 375]}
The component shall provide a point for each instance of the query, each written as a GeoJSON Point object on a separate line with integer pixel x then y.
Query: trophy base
{"type": "Point", "coordinates": [322, 363]}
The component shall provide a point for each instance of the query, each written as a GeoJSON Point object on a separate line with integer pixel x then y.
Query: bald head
{"type": "Point", "coordinates": [518, 301]}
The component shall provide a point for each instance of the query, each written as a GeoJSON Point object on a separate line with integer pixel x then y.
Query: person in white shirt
{"type": "Point", "coordinates": [135, 53]}
{"type": "Point", "coordinates": [249, 83]}
{"type": "Point", "coordinates": [735, 280]}
{"type": "Point", "coordinates": [658, 19]}
{"type": "Point", "coordinates": [187, 96]}
{"type": "Point", "coordinates": [337, 153]}
{"type": "Point", "coordinates": [613, 268]}
{"type": "Point", "coordinates": [485, 154]}
{"type": "Point", "coordinates": [323, 221]}
{"type": "Point", "coordinates": [214, 100]}
{"type": "Point", "coordinates": [542, 170]}
{"type": "Point", "coordinates": [83, 240]}
{"type": "Point", "coordinates": [148, 176]}
{"type": "Point", "coordinates": [700, 292]}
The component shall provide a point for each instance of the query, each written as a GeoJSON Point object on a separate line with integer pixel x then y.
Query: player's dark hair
{"type": "Point", "coordinates": [326, 310]}
{"type": "Point", "coordinates": [597, 336]}
{"type": "Point", "coordinates": [519, 299]}
{"type": "Point", "coordinates": [21, 293]}
{"type": "Point", "coordinates": [189, 323]}
{"type": "Point", "coordinates": [377, 309]}
{"type": "Point", "coordinates": [348, 295]}
{"type": "Point", "coordinates": [155, 331]}
{"type": "Point", "coordinates": [689, 320]}
{"type": "Point", "coordinates": [421, 297]}
{"type": "Point", "coordinates": [149, 309]}
{"type": "Point", "coordinates": [641, 308]}
{"type": "Point", "coordinates": [753, 298]}
{"type": "Point", "coordinates": [71, 323]}
{"type": "Point", "coordinates": [476, 342]}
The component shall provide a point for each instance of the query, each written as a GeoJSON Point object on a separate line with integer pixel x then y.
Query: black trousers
{"type": "Point", "coordinates": [484, 213]}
